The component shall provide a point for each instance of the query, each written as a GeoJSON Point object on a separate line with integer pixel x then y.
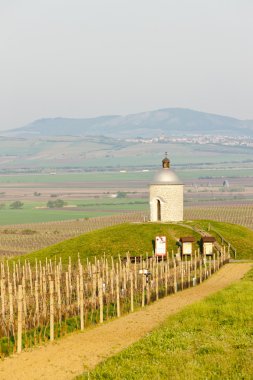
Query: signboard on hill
{"type": "Point", "coordinates": [160, 245]}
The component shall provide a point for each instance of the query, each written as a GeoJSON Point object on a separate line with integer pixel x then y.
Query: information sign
{"type": "Point", "coordinates": [208, 248]}
{"type": "Point", "coordinates": [187, 248]}
{"type": "Point", "coordinates": [160, 246]}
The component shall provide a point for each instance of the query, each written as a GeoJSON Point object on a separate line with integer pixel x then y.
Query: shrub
{"type": "Point", "coordinates": [121, 194]}
{"type": "Point", "coordinates": [28, 232]}
{"type": "Point", "coordinates": [58, 203]}
{"type": "Point", "coordinates": [16, 205]}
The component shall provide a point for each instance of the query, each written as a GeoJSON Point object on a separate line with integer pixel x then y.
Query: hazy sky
{"type": "Point", "coordinates": [83, 58]}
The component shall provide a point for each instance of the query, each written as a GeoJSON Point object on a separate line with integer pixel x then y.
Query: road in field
{"type": "Point", "coordinates": [75, 353]}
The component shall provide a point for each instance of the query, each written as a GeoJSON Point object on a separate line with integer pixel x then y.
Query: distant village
{"type": "Point", "coordinates": [244, 141]}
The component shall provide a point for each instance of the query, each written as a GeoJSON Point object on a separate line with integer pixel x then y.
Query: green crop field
{"type": "Point", "coordinates": [211, 339]}
{"type": "Point", "coordinates": [33, 212]}
{"type": "Point", "coordinates": [74, 177]}
{"type": "Point", "coordinates": [40, 216]}
{"type": "Point", "coordinates": [114, 176]}
{"type": "Point", "coordinates": [30, 214]}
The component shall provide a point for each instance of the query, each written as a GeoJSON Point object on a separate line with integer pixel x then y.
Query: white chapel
{"type": "Point", "coordinates": [166, 195]}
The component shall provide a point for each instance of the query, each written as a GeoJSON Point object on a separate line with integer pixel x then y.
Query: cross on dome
{"type": "Point", "coordinates": [166, 161]}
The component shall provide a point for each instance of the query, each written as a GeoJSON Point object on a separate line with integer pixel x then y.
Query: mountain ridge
{"type": "Point", "coordinates": [149, 124]}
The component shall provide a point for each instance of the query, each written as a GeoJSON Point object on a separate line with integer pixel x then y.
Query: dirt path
{"type": "Point", "coordinates": [71, 355]}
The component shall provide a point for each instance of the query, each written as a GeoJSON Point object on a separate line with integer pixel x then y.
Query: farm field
{"type": "Point", "coordinates": [83, 179]}
{"type": "Point", "coordinates": [94, 194]}
{"type": "Point", "coordinates": [110, 154]}
{"type": "Point", "coordinates": [106, 194]}
{"type": "Point", "coordinates": [128, 175]}
{"type": "Point", "coordinates": [208, 340]}
{"type": "Point", "coordinates": [37, 212]}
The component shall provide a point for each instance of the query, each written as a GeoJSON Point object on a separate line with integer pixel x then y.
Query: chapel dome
{"type": "Point", "coordinates": [166, 176]}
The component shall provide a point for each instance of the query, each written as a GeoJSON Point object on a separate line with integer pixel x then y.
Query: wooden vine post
{"type": "Point", "coordinates": [200, 270]}
{"type": "Point", "coordinates": [11, 306]}
{"type": "Point", "coordinates": [182, 274]}
{"type": "Point", "coordinates": [143, 291]}
{"type": "Point", "coordinates": [20, 318]}
{"type": "Point", "coordinates": [81, 299]}
{"type": "Point", "coordinates": [131, 292]}
{"type": "Point", "coordinates": [117, 295]}
{"type": "Point", "coordinates": [157, 281]}
{"type": "Point", "coordinates": [51, 294]}
{"type": "Point", "coordinates": [166, 278]}
{"type": "Point", "coordinates": [100, 296]}
{"type": "Point", "coordinates": [175, 276]}
{"type": "Point", "coordinates": [189, 273]}
{"type": "Point", "coordinates": [195, 265]}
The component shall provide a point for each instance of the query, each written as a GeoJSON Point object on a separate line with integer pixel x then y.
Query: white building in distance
{"type": "Point", "coordinates": [166, 195]}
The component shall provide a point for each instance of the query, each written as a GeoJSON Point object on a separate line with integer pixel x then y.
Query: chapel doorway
{"type": "Point", "coordinates": [158, 210]}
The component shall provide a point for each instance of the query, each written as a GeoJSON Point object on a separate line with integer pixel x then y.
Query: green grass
{"type": "Point", "coordinates": [30, 215]}
{"type": "Point", "coordinates": [34, 179]}
{"type": "Point", "coordinates": [240, 237]}
{"type": "Point", "coordinates": [212, 339]}
{"type": "Point", "coordinates": [117, 240]}
{"type": "Point", "coordinates": [38, 335]}
{"type": "Point", "coordinates": [137, 240]}
{"type": "Point", "coordinates": [80, 179]}
{"type": "Point", "coordinates": [89, 208]}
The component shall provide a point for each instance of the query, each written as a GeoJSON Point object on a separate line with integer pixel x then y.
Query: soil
{"type": "Point", "coordinates": [72, 355]}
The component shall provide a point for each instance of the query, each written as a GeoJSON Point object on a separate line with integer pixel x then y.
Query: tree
{"type": "Point", "coordinates": [50, 204]}
{"type": "Point", "coordinates": [121, 194]}
{"type": "Point", "coordinates": [58, 203]}
{"type": "Point", "coordinates": [16, 205]}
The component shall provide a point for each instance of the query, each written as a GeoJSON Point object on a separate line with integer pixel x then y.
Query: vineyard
{"type": "Point", "coordinates": [20, 239]}
{"type": "Point", "coordinates": [237, 214]}
{"type": "Point", "coordinates": [48, 301]}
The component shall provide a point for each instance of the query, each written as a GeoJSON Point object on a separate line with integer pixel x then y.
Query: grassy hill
{"type": "Point", "coordinates": [137, 239]}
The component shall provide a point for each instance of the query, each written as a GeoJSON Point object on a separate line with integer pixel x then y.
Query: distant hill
{"type": "Point", "coordinates": [167, 122]}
